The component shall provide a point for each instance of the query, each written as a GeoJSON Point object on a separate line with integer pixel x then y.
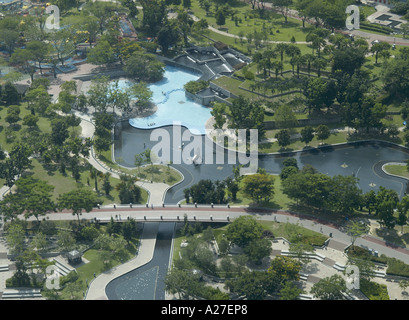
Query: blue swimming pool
{"type": "Point", "coordinates": [173, 105]}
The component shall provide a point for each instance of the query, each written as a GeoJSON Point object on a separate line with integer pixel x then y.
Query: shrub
{"type": "Point", "coordinates": [397, 267]}
{"type": "Point", "coordinates": [71, 277]}
{"type": "Point", "coordinates": [196, 86]}
{"type": "Point", "coordinates": [220, 46]}
{"type": "Point", "coordinates": [373, 290]}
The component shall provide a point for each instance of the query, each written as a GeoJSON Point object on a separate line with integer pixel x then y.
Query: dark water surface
{"type": "Point", "coordinates": [147, 281]}
{"type": "Point", "coordinates": [362, 159]}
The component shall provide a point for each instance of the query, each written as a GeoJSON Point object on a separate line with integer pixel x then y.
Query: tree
{"type": "Point", "coordinates": [252, 285]}
{"type": "Point", "coordinates": [218, 112]}
{"type": "Point", "coordinates": [283, 138]}
{"type": "Point", "coordinates": [65, 240]}
{"type": "Point", "coordinates": [309, 188]}
{"type": "Point", "coordinates": [154, 14]}
{"type": "Point", "coordinates": [20, 157]}
{"type": "Point", "coordinates": [30, 120]}
{"type": "Point", "coordinates": [379, 48]}
{"type": "Point", "coordinates": [370, 200]}
{"type": "Point", "coordinates": [290, 292]}
{"type": "Point", "coordinates": [285, 269]}
{"type": "Point", "coordinates": [102, 53]}
{"type": "Point", "coordinates": [129, 192]}
{"type": "Point", "coordinates": [59, 131]}
{"type": "Point", "coordinates": [403, 208]}
{"type": "Point", "coordinates": [38, 100]}
{"type": "Point", "coordinates": [329, 288]}
{"type": "Point", "coordinates": [318, 93]}
{"type": "Point", "coordinates": [15, 237]}
{"type": "Point", "coordinates": [348, 59]}
{"type": "Point", "coordinates": [144, 66]}
{"type": "Point", "coordinates": [258, 249]}
{"type": "Point", "coordinates": [39, 50]}
{"type": "Point", "coordinates": [232, 188]}
{"type": "Point", "coordinates": [283, 7]}
{"type": "Point", "coordinates": [13, 115]}
{"type": "Point", "coordinates": [247, 114]}
{"type": "Point", "coordinates": [385, 213]}
{"type": "Point", "coordinates": [133, 10]}
{"type": "Point", "coordinates": [106, 183]}
{"type": "Point", "coordinates": [22, 59]}
{"type": "Point", "coordinates": [258, 186]}
{"type": "Point", "coordinates": [168, 36]}
{"type": "Point", "coordinates": [285, 117]}
{"type": "Point", "coordinates": [395, 75]}
{"type": "Point", "coordinates": [184, 23]}
{"type": "Point", "coordinates": [142, 94]}
{"type": "Point", "coordinates": [243, 230]}
{"type": "Point", "coordinates": [35, 196]}
{"type": "Point", "coordinates": [345, 195]}
{"type": "Point", "coordinates": [322, 132]}
{"type": "Point", "coordinates": [220, 18]}
{"type": "Point", "coordinates": [307, 134]}
{"type": "Point", "coordinates": [97, 95]}
{"type": "Point", "coordinates": [77, 200]}
{"type": "Point", "coordinates": [356, 229]}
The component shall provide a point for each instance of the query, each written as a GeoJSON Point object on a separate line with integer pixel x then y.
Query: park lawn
{"type": "Point", "coordinates": [294, 233]}
{"type": "Point", "coordinates": [278, 201]}
{"type": "Point", "coordinates": [161, 173]}
{"type": "Point", "coordinates": [232, 85]}
{"type": "Point", "coordinates": [296, 144]}
{"type": "Point", "coordinates": [95, 265]}
{"type": "Point", "coordinates": [65, 183]}
{"type": "Point", "coordinates": [397, 170]}
{"type": "Point", "coordinates": [249, 23]}
{"type": "Point", "coordinates": [43, 124]}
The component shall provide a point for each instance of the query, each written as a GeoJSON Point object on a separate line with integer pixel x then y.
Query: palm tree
{"type": "Point", "coordinates": [281, 48]}
{"type": "Point", "coordinates": [319, 64]}
{"type": "Point", "coordinates": [95, 174]}
{"type": "Point", "coordinates": [293, 51]}
{"type": "Point", "coordinates": [309, 58]}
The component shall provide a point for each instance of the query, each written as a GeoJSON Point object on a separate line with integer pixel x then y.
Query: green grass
{"type": "Point", "coordinates": [161, 173]}
{"type": "Point", "coordinates": [65, 183]}
{"type": "Point", "coordinates": [252, 23]}
{"type": "Point", "coordinates": [373, 290]}
{"type": "Point", "coordinates": [296, 144]}
{"type": "Point", "coordinates": [95, 265]}
{"type": "Point", "coordinates": [397, 170]}
{"type": "Point", "coordinates": [278, 201]}
{"type": "Point", "coordinates": [294, 233]}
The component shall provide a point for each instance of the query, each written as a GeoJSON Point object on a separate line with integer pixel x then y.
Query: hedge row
{"type": "Point", "coordinates": [395, 267]}
{"type": "Point", "coordinates": [375, 27]}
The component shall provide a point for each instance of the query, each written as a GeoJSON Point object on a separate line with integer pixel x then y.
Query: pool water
{"type": "Point", "coordinates": [172, 103]}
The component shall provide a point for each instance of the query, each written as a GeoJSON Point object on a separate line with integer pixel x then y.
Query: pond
{"type": "Point", "coordinates": [362, 160]}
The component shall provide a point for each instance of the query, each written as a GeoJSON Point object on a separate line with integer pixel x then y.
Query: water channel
{"type": "Point", "coordinates": [147, 281]}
